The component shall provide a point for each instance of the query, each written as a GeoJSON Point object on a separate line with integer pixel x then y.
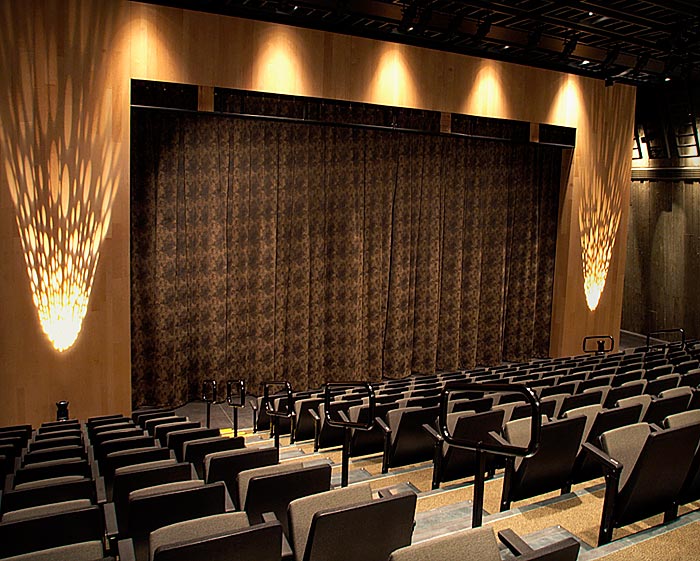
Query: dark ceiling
{"type": "Point", "coordinates": [641, 42]}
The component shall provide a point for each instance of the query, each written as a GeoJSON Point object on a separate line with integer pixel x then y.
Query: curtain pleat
{"type": "Point", "coordinates": [264, 250]}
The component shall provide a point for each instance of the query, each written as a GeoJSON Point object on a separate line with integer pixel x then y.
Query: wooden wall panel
{"type": "Point", "coordinates": [663, 252]}
{"type": "Point", "coordinates": [156, 43]}
{"type": "Point", "coordinates": [64, 69]}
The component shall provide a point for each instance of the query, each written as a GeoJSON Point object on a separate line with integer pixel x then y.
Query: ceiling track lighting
{"type": "Point", "coordinates": [484, 27]}
{"type": "Point", "coordinates": [406, 24]}
{"type": "Point", "coordinates": [569, 46]}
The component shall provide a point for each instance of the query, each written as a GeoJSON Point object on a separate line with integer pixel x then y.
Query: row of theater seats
{"type": "Point", "coordinates": [659, 367]}
{"type": "Point", "coordinates": [581, 400]}
{"type": "Point", "coordinates": [83, 492]}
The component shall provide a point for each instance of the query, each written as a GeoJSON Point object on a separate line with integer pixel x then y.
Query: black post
{"type": "Point", "coordinates": [478, 503]}
{"type": "Point", "coordinates": [235, 422]}
{"type": "Point", "coordinates": [208, 414]}
{"type": "Point", "coordinates": [345, 468]}
{"type": "Point", "coordinates": [277, 431]}
{"type": "Point", "coordinates": [62, 410]}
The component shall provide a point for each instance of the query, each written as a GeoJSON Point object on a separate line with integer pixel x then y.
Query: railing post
{"type": "Point", "coordinates": [209, 399]}
{"type": "Point", "coordinates": [481, 447]}
{"type": "Point", "coordinates": [348, 425]}
{"type": "Point", "coordinates": [233, 403]}
{"type": "Point", "coordinates": [276, 415]}
{"type": "Point", "coordinates": [478, 502]}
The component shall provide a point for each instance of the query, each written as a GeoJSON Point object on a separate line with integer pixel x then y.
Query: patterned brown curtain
{"type": "Point", "coordinates": [277, 250]}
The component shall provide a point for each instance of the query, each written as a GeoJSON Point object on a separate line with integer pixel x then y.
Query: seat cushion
{"type": "Point", "coordinates": [302, 510]}
{"type": "Point", "coordinates": [470, 544]}
{"type": "Point", "coordinates": [43, 510]}
{"type": "Point", "coordinates": [85, 551]}
{"type": "Point", "coordinates": [196, 529]}
{"type": "Point", "coordinates": [625, 444]}
{"type": "Point", "coordinates": [165, 488]}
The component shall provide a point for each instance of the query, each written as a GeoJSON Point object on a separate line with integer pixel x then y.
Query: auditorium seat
{"type": "Point", "coordinates": [479, 544]}
{"type": "Point", "coordinates": [212, 538]}
{"type": "Point", "coordinates": [363, 442]}
{"type": "Point", "coordinates": [304, 422]}
{"type": "Point", "coordinates": [54, 453]}
{"type": "Point", "coordinates": [87, 525]}
{"type": "Point", "coordinates": [623, 391]}
{"type": "Point", "coordinates": [151, 424]}
{"type": "Point", "coordinates": [151, 508]}
{"type": "Point", "coordinates": [369, 531]}
{"type": "Point", "coordinates": [451, 462]}
{"type": "Point", "coordinates": [49, 470]}
{"type": "Point", "coordinates": [56, 490]}
{"type": "Point", "coordinates": [133, 477]}
{"type": "Point", "coordinates": [665, 382]}
{"type": "Point", "coordinates": [550, 468]}
{"type": "Point", "coordinates": [225, 466]}
{"type": "Point", "coordinates": [686, 366]}
{"type": "Point", "coordinates": [176, 439]}
{"type": "Point", "coordinates": [606, 419]}
{"type": "Point", "coordinates": [130, 457]}
{"type": "Point", "coordinates": [690, 491]}
{"type": "Point", "coordinates": [161, 432]}
{"type": "Point", "coordinates": [194, 451]}
{"type": "Point", "coordinates": [644, 472]}
{"type": "Point", "coordinates": [405, 440]}
{"type": "Point", "coordinates": [324, 434]}
{"type": "Point", "coordinates": [272, 488]}
{"type": "Point", "coordinates": [691, 378]}
{"type": "Point", "coordinates": [141, 417]}
{"type": "Point", "coordinates": [593, 396]}
{"type": "Point", "coordinates": [302, 510]}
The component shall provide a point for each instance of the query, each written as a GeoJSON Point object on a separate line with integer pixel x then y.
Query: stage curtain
{"type": "Point", "coordinates": [304, 252]}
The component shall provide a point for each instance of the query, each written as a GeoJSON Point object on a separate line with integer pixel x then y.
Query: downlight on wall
{"type": "Point", "coordinates": [600, 207]}
{"type": "Point", "coordinates": [61, 175]}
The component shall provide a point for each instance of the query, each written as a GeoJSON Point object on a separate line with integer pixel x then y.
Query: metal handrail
{"type": "Point", "coordinates": [480, 447]}
{"type": "Point", "coordinates": [663, 331]}
{"type": "Point", "coordinates": [277, 415]}
{"type": "Point", "coordinates": [346, 423]}
{"type": "Point", "coordinates": [233, 403]}
{"type": "Point", "coordinates": [209, 400]}
{"type": "Point", "coordinates": [600, 343]}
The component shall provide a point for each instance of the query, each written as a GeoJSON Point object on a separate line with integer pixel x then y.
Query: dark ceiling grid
{"type": "Point", "coordinates": [641, 42]}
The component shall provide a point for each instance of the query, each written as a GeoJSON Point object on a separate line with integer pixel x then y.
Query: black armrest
{"type": "Point", "coordinates": [433, 433]}
{"type": "Point", "coordinates": [564, 550]}
{"type": "Point", "coordinates": [387, 444]}
{"type": "Point", "coordinates": [382, 425]}
{"type": "Point", "coordinates": [287, 552]}
{"type": "Point", "coordinates": [111, 527]}
{"type": "Point", "coordinates": [126, 550]}
{"type": "Point", "coordinates": [608, 463]}
{"type": "Point", "coordinates": [499, 439]}
{"type": "Point", "coordinates": [94, 470]}
{"type": "Point", "coordinates": [514, 542]}
{"type": "Point", "coordinates": [100, 490]}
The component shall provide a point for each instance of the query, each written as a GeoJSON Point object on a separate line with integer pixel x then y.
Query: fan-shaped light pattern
{"type": "Point", "coordinates": [599, 219]}
{"type": "Point", "coordinates": [600, 210]}
{"type": "Point", "coordinates": [61, 175]}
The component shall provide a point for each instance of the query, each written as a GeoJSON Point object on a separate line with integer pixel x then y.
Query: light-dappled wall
{"type": "Point", "coordinates": [154, 43]}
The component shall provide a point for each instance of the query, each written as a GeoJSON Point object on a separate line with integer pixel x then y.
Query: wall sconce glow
{"type": "Point", "coordinates": [600, 210]}
{"type": "Point", "coordinates": [487, 96]}
{"type": "Point", "coordinates": [599, 219]}
{"type": "Point", "coordinates": [278, 66]}
{"type": "Point", "coordinates": [393, 82]}
{"type": "Point", "coordinates": [61, 175]}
